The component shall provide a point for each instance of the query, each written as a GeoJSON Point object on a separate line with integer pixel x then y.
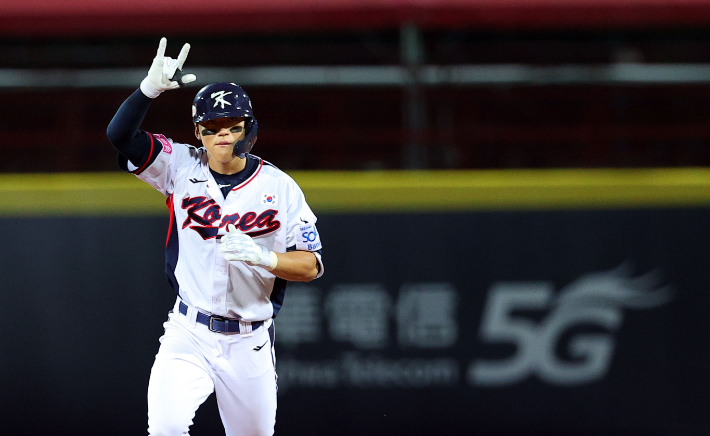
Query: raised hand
{"type": "Point", "coordinates": [166, 73]}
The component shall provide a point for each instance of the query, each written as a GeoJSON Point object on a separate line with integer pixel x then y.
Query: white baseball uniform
{"type": "Point", "coordinates": [193, 361]}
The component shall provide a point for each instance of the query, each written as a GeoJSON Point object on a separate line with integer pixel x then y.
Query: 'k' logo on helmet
{"type": "Point", "coordinates": [220, 98]}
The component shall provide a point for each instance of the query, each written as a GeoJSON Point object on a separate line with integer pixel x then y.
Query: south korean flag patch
{"type": "Point", "coordinates": [269, 199]}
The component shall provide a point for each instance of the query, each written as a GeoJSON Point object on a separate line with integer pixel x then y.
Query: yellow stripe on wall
{"type": "Point", "coordinates": [388, 191]}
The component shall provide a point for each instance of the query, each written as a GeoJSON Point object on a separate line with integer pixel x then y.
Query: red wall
{"type": "Point", "coordinates": [139, 17]}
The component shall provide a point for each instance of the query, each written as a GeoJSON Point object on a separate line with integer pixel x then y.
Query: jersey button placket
{"type": "Point", "coordinates": [220, 283]}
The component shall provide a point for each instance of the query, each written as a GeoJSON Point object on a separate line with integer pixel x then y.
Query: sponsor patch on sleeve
{"type": "Point", "coordinates": [167, 148]}
{"type": "Point", "coordinates": [307, 238]}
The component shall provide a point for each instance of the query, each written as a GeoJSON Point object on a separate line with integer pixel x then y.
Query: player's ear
{"type": "Point", "coordinates": [197, 132]}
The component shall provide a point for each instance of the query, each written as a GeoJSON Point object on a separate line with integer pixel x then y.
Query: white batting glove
{"type": "Point", "coordinates": [241, 247]}
{"type": "Point", "coordinates": [165, 72]}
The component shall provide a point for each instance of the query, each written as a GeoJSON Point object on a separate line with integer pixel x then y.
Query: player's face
{"type": "Point", "coordinates": [219, 136]}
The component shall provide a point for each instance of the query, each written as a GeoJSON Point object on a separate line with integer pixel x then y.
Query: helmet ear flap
{"type": "Point", "coordinates": [244, 146]}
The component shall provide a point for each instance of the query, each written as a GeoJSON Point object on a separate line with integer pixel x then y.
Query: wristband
{"type": "Point", "coordinates": [149, 90]}
{"type": "Point", "coordinates": [274, 260]}
{"type": "Point", "coordinates": [269, 260]}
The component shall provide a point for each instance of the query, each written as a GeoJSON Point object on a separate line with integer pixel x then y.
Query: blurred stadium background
{"type": "Point", "coordinates": [512, 197]}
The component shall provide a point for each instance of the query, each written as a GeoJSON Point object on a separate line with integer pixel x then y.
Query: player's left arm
{"type": "Point", "coordinates": [297, 266]}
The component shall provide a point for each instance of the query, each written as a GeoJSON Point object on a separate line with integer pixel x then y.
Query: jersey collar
{"type": "Point", "coordinates": [250, 178]}
{"type": "Point", "coordinates": [213, 187]}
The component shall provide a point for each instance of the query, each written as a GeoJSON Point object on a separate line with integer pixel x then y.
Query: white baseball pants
{"type": "Point", "coordinates": [193, 362]}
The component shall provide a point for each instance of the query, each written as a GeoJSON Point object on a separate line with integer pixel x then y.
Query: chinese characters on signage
{"type": "Point", "coordinates": [365, 336]}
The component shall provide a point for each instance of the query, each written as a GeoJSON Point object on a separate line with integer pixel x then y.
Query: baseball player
{"type": "Point", "coordinates": [240, 229]}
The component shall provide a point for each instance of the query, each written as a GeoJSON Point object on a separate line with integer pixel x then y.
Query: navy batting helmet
{"type": "Point", "coordinates": [223, 99]}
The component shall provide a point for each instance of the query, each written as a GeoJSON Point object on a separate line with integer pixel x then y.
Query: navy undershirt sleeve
{"type": "Point", "coordinates": [123, 130]}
